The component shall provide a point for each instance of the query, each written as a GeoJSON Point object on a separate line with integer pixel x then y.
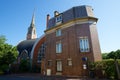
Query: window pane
{"type": "Point", "coordinates": [59, 18]}
{"type": "Point", "coordinates": [58, 47]}
{"type": "Point", "coordinates": [58, 32]}
{"type": "Point", "coordinates": [41, 52]}
{"type": "Point", "coordinates": [87, 44]}
{"type": "Point", "coordinates": [59, 65]}
{"type": "Point", "coordinates": [69, 62]}
{"type": "Point", "coordinates": [84, 44]}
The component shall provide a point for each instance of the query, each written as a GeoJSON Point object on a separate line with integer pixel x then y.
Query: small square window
{"type": "Point", "coordinates": [69, 62]}
{"type": "Point", "coordinates": [58, 19]}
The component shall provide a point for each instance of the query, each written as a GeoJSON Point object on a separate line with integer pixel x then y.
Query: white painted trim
{"type": "Point", "coordinates": [72, 23]}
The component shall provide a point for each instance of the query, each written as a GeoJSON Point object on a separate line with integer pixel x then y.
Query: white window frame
{"type": "Point", "coordinates": [58, 19]}
{"type": "Point", "coordinates": [58, 32]}
{"type": "Point", "coordinates": [59, 65]}
{"type": "Point", "coordinates": [84, 44]}
{"type": "Point", "coordinates": [59, 47]}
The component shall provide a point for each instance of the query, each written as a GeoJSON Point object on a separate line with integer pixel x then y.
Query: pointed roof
{"type": "Point", "coordinates": [33, 20]}
{"type": "Point", "coordinates": [31, 34]}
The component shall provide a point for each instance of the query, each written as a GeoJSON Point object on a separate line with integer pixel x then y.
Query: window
{"type": "Point", "coordinates": [59, 65]}
{"type": "Point", "coordinates": [24, 54]}
{"type": "Point", "coordinates": [59, 19]}
{"type": "Point", "coordinates": [58, 32]}
{"type": "Point", "coordinates": [84, 44]}
{"type": "Point", "coordinates": [34, 32]}
{"type": "Point", "coordinates": [58, 47]}
{"type": "Point", "coordinates": [41, 53]}
{"type": "Point", "coordinates": [49, 63]}
{"type": "Point", "coordinates": [69, 62]}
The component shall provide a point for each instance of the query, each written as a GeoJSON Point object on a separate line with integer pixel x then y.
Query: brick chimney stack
{"type": "Point", "coordinates": [48, 17]}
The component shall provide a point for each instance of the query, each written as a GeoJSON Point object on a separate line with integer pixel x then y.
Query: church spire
{"type": "Point", "coordinates": [31, 34]}
{"type": "Point", "coordinates": [33, 20]}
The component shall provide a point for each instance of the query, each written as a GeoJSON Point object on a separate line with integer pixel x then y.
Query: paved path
{"type": "Point", "coordinates": [38, 77]}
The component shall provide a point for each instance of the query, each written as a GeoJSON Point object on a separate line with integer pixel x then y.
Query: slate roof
{"type": "Point", "coordinates": [73, 13]}
{"type": "Point", "coordinates": [26, 45]}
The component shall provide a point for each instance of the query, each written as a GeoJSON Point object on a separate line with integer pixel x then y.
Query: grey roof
{"type": "Point", "coordinates": [26, 45]}
{"type": "Point", "coordinates": [73, 13]}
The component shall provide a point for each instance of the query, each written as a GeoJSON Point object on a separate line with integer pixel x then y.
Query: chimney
{"type": "Point", "coordinates": [48, 17]}
{"type": "Point", "coordinates": [56, 13]}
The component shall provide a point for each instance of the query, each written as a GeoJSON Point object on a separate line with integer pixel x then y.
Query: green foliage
{"type": "Point", "coordinates": [2, 39]}
{"type": "Point", "coordinates": [91, 65]}
{"type": "Point", "coordinates": [24, 66]}
{"type": "Point", "coordinates": [104, 55]}
{"type": "Point", "coordinates": [111, 55]}
{"type": "Point", "coordinates": [4, 67]}
{"type": "Point", "coordinates": [108, 66]}
{"type": "Point", "coordinates": [8, 54]}
{"type": "Point", "coordinates": [110, 69]}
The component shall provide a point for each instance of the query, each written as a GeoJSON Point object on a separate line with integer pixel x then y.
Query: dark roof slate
{"type": "Point", "coordinates": [26, 45]}
{"type": "Point", "coordinates": [73, 13]}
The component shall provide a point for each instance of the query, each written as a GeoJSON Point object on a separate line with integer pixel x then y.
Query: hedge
{"type": "Point", "coordinates": [107, 68]}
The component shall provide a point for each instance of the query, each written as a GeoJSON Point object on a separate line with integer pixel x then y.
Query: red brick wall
{"type": "Point", "coordinates": [35, 56]}
{"type": "Point", "coordinates": [70, 49]}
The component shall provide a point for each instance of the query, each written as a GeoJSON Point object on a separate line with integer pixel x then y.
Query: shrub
{"type": "Point", "coordinates": [1, 72]}
{"type": "Point", "coordinates": [24, 66]}
{"type": "Point", "coordinates": [107, 67]}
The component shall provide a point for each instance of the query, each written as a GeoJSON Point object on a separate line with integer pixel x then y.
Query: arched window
{"type": "Point", "coordinates": [41, 53]}
{"type": "Point", "coordinates": [24, 54]}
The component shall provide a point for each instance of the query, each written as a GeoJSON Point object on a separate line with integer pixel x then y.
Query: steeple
{"type": "Point", "coordinates": [31, 34]}
{"type": "Point", "coordinates": [33, 20]}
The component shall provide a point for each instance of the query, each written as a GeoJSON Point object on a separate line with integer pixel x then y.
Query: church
{"type": "Point", "coordinates": [69, 43]}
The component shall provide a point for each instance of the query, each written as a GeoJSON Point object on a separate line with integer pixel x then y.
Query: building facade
{"type": "Point", "coordinates": [71, 41]}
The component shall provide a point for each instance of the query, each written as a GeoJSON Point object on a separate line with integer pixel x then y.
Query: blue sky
{"type": "Point", "coordinates": [15, 18]}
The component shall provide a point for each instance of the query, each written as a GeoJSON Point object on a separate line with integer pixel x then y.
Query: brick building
{"type": "Point", "coordinates": [70, 41]}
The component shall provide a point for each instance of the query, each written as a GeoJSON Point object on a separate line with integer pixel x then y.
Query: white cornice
{"type": "Point", "coordinates": [71, 23]}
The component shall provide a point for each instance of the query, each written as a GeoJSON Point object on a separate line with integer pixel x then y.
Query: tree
{"type": "Point", "coordinates": [118, 54]}
{"type": "Point", "coordinates": [112, 55]}
{"type": "Point", "coordinates": [104, 55]}
{"type": "Point", "coordinates": [2, 39]}
{"type": "Point", "coordinates": [24, 66]}
{"type": "Point", "coordinates": [8, 54]}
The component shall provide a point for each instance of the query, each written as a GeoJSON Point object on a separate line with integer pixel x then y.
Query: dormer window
{"type": "Point", "coordinates": [58, 19]}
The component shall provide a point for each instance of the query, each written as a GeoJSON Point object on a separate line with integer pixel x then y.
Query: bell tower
{"type": "Point", "coordinates": [31, 34]}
